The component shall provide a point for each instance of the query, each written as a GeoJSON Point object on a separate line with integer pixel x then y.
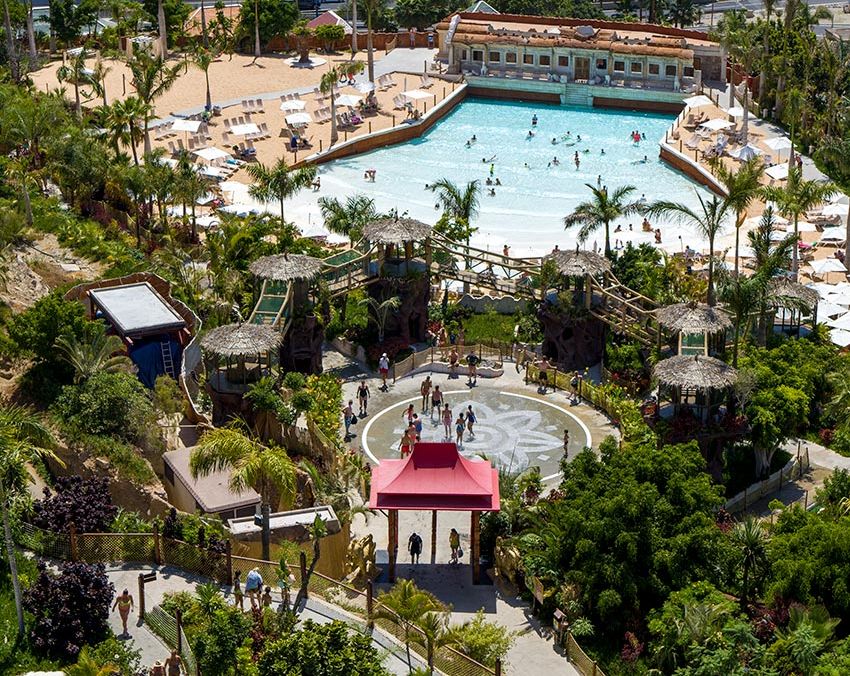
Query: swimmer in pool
{"type": "Point", "coordinates": [554, 141]}
{"type": "Point", "coordinates": [498, 182]}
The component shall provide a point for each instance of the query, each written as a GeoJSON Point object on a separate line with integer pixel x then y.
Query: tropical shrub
{"type": "Point", "coordinates": [326, 394]}
{"type": "Point", "coordinates": [483, 641]}
{"type": "Point", "coordinates": [217, 647]}
{"type": "Point", "coordinates": [70, 609]}
{"type": "Point", "coordinates": [86, 503]}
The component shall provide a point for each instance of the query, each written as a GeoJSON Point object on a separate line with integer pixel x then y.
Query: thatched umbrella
{"type": "Point", "coordinates": [579, 263]}
{"type": "Point", "coordinates": [693, 318]}
{"type": "Point", "coordinates": [286, 267]}
{"type": "Point", "coordinates": [782, 289]}
{"type": "Point", "coordinates": [695, 373]}
{"type": "Point", "coordinates": [398, 231]}
{"type": "Point", "coordinates": [241, 340]}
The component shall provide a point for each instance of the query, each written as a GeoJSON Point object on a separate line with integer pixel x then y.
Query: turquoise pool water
{"type": "Point", "coordinates": [528, 208]}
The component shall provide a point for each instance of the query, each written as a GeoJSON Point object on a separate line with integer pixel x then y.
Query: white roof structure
{"type": "Point", "coordinates": [840, 337]}
{"type": "Point", "coordinates": [212, 492]}
{"type": "Point", "coordinates": [136, 310]}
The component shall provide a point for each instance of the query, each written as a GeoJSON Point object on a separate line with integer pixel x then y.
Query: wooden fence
{"type": "Point", "coordinates": [494, 352]}
{"type": "Point", "coordinates": [579, 658]}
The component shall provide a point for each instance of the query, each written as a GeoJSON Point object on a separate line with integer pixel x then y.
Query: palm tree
{"type": "Point", "coordinates": [381, 312]}
{"type": "Point", "coordinates": [98, 79]}
{"type": "Point", "coordinates": [741, 297]}
{"type": "Point", "coordinates": [33, 52]}
{"type": "Point", "coordinates": [190, 186]}
{"type": "Point", "coordinates": [434, 633]}
{"type": "Point", "coordinates": [279, 181]}
{"type": "Point", "coordinates": [372, 8]}
{"type": "Point", "coordinates": [460, 204]}
{"type": "Point", "coordinates": [742, 186]}
{"type": "Point", "coordinates": [23, 439]}
{"type": "Point", "coordinates": [348, 218]}
{"type": "Point", "coordinates": [836, 153]}
{"type": "Point", "coordinates": [122, 119]}
{"type": "Point", "coordinates": [329, 82]}
{"type": "Point", "coordinates": [77, 74]}
{"type": "Point", "coordinates": [750, 539]}
{"type": "Point", "coordinates": [257, 51]}
{"type": "Point", "coordinates": [765, 50]}
{"type": "Point", "coordinates": [708, 220]}
{"type": "Point", "coordinates": [601, 211]}
{"type": "Point", "coordinates": [163, 29]}
{"type": "Point", "coordinates": [18, 170]}
{"type": "Point", "coordinates": [88, 666]}
{"type": "Point", "coordinates": [405, 605]}
{"type": "Point", "coordinates": [266, 469]}
{"type": "Point", "coordinates": [794, 199]}
{"type": "Point", "coordinates": [14, 63]}
{"type": "Point", "coordinates": [745, 51]}
{"type": "Point", "coordinates": [152, 77]}
{"type": "Point", "coordinates": [203, 59]}
{"type": "Point", "coordinates": [95, 353]}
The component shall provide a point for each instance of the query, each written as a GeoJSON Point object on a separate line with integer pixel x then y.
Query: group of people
{"type": "Point", "coordinates": [433, 401]}
{"type": "Point", "coordinates": [414, 547]}
{"type": "Point", "coordinates": [259, 595]}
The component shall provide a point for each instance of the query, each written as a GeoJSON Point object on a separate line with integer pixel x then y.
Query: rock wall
{"type": "Point", "coordinates": [302, 346]}
{"type": "Point", "coordinates": [572, 340]}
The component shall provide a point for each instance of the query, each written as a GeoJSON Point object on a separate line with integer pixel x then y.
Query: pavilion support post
{"type": "Point", "coordinates": [392, 547]}
{"type": "Point", "coordinates": [433, 536]}
{"type": "Point", "coordinates": [474, 539]}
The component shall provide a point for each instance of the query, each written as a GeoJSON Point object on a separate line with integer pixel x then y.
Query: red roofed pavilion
{"type": "Point", "coordinates": [436, 477]}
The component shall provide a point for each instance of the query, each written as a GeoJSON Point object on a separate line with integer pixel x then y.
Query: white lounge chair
{"type": "Point", "coordinates": [425, 81]}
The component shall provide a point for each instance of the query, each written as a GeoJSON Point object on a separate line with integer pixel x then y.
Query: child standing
{"type": "Point", "coordinates": [447, 421]}
{"type": "Point", "coordinates": [459, 427]}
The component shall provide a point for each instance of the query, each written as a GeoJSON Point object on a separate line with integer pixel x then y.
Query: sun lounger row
{"type": "Point", "coordinates": [319, 96]}
{"type": "Point", "coordinates": [385, 82]}
{"type": "Point", "coordinates": [252, 106]}
{"type": "Point", "coordinates": [263, 133]}
{"type": "Point", "coordinates": [290, 97]}
{"type": "Point", "coordinates": [233, 121]}
{"type": "Point", "coordinates": [322, 115]}
{"type": "Point", "coordinates": [348, 119]}
{"type": "Point", "coordinates": [400, 102]}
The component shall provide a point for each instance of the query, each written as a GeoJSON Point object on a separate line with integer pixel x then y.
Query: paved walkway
{"type": "Point", "coordinates": [534, 651]}
{"type": "Point", "coordinates": [819, 456]}
{"type": "Point", "coordinates": [171, 579]}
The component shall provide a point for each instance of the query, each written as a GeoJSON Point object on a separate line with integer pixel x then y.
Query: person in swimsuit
{"type": "Point", "coordinates": [425, 391]}
{"type": "Point", "coordinates": [405, 444]}
{"type": "Point", "coordinates": [447, 421]}
{"type": "Point", "coordinates": [174, 665]}
{"type": "Point", "coordinates": [436, 400]}
{"type": "Point", "coordinates": [125, 605]}
{"type": "Point", "coordinates": [460, 425]}
{"type": "Point", "coordinates": [453, 359]}
{"type": "Point", "coordinates": [363, 398]}
{"type": "Point", "coordinates": [238, 596]}
{"type": "Point", "coordinates": [470, 420]}
{"type": "Point", "coordinates": [409, 413]}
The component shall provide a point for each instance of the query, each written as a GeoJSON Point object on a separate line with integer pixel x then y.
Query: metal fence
{"type": "Point", "coordinates": [494, 352]}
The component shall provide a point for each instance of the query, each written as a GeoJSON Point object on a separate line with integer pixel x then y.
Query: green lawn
{"type": "Point", "coordinates": [489, 327]}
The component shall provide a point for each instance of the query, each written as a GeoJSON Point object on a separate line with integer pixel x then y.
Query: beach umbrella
{"type": "Point", "coordinates": [735, 111]}
{"type": "Point", "coordinates": [292, 105]}
{"type": "Point", "coordinates": [348, 100]}
{"type": "Point", "coordinates": [839, 198]}
{"type": "Point", "coordinates": [245, 129]}
{"type": "Point", "coordinates": [191, 126]}
{"type": "Point", "coordinates": [211, 154]}
{"type": "Point", "coordinates": [365, 87]}
{"type": "Point", "coordinates": [835, 234]}
{"type": "Point", "coordinates": [778, 172]}
{"type": "Point", "coordinates": [778, 143]}
{"type": "Point", "coordinates": [698, 101]}
{"type": "Point", "coordinates": [745, 153]}
{"type": "Point", "coordinates": [717, 124]}
{"type": "Point", "coordinates": [835, 210]}
{"type": "Point", "coordinates": [416, 94]}
{"type": "Point", "coordinates": [827, 265]}
{"type": "Point", "coordinates": [840, 337]}
{"type": "Point", "coordinates": [298, 119]}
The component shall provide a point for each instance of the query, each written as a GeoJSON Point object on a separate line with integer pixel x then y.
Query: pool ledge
{"type": "Point", "coordinates": [386, 137]}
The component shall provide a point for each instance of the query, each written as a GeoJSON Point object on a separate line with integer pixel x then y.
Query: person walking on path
{"type": "Point", "coordinates": [453, 363]}
{"type": "Point", "coordinates": [472, 364]}
{"type": "Point", "coordinates": [575, 382]}
{"type": "Point", "coordinates": [238, 596]}
{"type": "Point", "coordinates": [454, 543]}
{"type": "Point", "coordinates": [470, 421]}
{"type": "Point", "coordinates": [543, 367]}
{"type": "Point", "coordinates": [566, 444]}
{"type": "Point", "coordinates": [253, 585]}
{"type": "Point", "coordinates": [414, 546]}
{"type": "Point", "coordinates": [363, 398]}
{"type": "Point", "coordinates": [447, 421]}
{"type": "Point", "coordinates": [384, 368]}
{"type": "Point", "coordinates": [125, 605]}
{"type": "Point", "coordinates": [348, 417]}
{"type": "Point", "coordinates": [460, 425]}
{"type": "Point", "coordinates": [425, 391]}
{"type": "Point", "coordinates": [436, 400]}
{"type": "Point", "coordinates": [173, 665]}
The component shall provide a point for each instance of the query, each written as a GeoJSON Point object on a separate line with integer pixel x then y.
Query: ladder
{"type": "Point", "coordinates": [167, 358]}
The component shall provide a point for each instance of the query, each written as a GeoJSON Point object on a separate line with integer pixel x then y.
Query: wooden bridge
{"type": "Point", "coordinates": [624, 310]}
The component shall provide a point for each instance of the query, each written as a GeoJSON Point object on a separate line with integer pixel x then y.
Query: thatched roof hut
{"type": "Point", "coordinates": [397, 230]}
{"type": "Point", "coordinates": [241, 340]}
{"type": "Point", "coordinates": [695, 373]}
{"type": "Point", "coordinates": [579, 263]}
{"type": "Point", "coordinates": [286, 267]}
{"type": "Point", "coordinates": [693, 318]}
{"type": "Point", "coordinates": [782, 289]}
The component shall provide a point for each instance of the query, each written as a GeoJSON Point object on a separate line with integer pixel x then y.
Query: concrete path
{"type": "Point", "coordinates": [534, 651]}
{"type": "Point", "coordinates": [819, 456]}
{"type": "Point", "coordinates": [171, 579]}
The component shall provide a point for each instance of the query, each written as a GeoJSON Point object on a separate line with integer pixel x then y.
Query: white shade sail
{"type": "Point", "coordinates": [745, 153]}
{"type": "Point", "coordinates": [717, 124]}
{"type": "Point", "coordinates": [697, 101]}
{"type": "Point", "coordinates": [778, 172]}
{"type": "Point", "coordinates": [243, 129]}
{"type": "Point", "coordinates": [211, 154]}
{"type": "Point", "coordinates": [298, 119]}
{"type": "Point", "coordinates": [417, 94]}
{"type": "Point", "coordinates": [348, 100]}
